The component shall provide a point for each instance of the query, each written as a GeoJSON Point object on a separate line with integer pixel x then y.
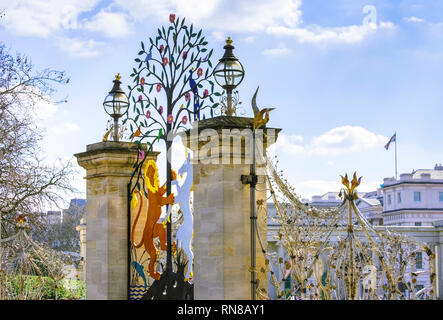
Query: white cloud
{"type": "Point", "coordinates": [43, 106]}
{"type": "Point", "coordinates": [318, 34]}
{"type": "Point", "coordinates": [280, 51]}
{"type": "Point", "coordinates": [112, 24]}
{"type": "Point", "coordinates": [310, 188]}
{"type": "Point", "coordinates": [287, 143]}
{"type": "Point", "coordinates": [221, 16]}
{"type": "Point", "coordinates": [277, 18]}
{"type": "Point", "coordinates": [250, 39]}
{"type": "Point", "coordinates": [79, 48]}
{"type": "Point", "coordinates": [42, 18]}
{"type": "Point", "coordinates": [65, 128]}
{"type": "Point", "coordinates": [45, 109]}
{"type": "Point", "coordinates": [345, 139]}
{"type": "Point", "coordinates": [335, 142]}
{"type": "Point", "coordinates": [413, 19]}
{"type": "Point", "coordinates": [218, 35]}
{"type": "Point", "coordinates": [387, 25]}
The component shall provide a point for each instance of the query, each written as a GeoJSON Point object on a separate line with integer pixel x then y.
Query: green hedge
{"type": "Point", "coordinates": [35, 287]}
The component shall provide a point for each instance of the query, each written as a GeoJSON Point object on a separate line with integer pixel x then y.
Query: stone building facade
{"type": "Point", "coordinates": [414, 199]}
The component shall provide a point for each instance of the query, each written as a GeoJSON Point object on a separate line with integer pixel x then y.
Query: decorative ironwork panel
{"type": "Point", "coordinates": [172, 87]}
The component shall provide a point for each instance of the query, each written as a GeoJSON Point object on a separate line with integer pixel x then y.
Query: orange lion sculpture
{"type": "Point", "coordinates": [152, 229]}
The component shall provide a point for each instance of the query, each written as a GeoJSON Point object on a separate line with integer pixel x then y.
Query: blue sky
{"type": "Point", "coordinates": [342, 85]}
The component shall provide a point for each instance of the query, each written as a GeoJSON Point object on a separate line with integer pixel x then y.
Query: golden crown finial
{"type": "Point", "coordinates": [229, 41]}
{"type": "Point", "coordinates": [118, 77]}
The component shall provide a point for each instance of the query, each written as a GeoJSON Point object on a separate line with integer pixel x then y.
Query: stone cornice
{"type": "Point", "coordinates": [413, 209]}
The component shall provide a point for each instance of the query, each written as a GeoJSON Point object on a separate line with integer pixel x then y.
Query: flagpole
{"type": "Point", "coordinates": [396, 156]}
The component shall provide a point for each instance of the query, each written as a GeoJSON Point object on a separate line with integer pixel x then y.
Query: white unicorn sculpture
{"type": "Point", "coordinates": [185, 230]}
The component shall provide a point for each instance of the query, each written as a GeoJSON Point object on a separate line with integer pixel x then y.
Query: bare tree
{"type": "Point", "coordinates": [27, 184]}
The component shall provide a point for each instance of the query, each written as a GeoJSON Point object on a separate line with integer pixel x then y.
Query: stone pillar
{"type": "Point", "coordinates": [82, 229]}
{"type": "Point", "coordinates": [222, 244]}
{"type": "Point", "coordinates": [108, 169]}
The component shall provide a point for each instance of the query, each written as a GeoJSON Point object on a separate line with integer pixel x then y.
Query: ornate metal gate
{"type": "Point", "coordinates": [174, 67]}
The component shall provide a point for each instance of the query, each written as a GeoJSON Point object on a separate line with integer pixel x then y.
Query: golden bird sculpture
{"type": "Point", "coordinates": [261, 117]}
{"type": "Point", "coordinates": [105, 138]}
{"type": "Point", "coordinates": [136, 133]}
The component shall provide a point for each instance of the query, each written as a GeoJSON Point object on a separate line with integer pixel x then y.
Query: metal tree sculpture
{"type": "Point", "coordinates": [173, 69]}
{"type": "Point", "coordinates": [337, 254]}
{"type": "Point", "coordinates": [22, 257]}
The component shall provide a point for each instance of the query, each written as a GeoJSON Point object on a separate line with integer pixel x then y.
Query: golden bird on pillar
{"type": "Point", "coordinates": [261, 117]}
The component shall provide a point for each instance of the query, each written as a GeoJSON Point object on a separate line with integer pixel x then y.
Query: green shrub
{"type": "Point", "coordinates": [43, 288]}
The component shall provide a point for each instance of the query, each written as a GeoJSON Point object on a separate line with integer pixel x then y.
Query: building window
{"type": "Point", "coordinates": [399, 197]}
{"type": "Point", "coordinates": [440, 196]}
{"type": "Point", "coordinates": [419, 261]}
{"type": "Point", "coordinates": [417, 196]}
{"type": "Point", "coordinates": [417, 224]}
{"type": "Point", "coordinates": [389, 199]}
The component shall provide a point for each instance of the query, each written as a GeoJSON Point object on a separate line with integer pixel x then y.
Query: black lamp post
{"type": "Point", "coordinates": [116, 104]}
{"type": "Point", "coordinates": [229, 73]}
